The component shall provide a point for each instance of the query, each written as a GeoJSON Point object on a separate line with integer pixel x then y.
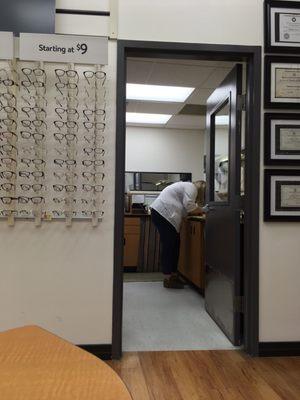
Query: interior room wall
{"type": "Point", "coordinates": [62, 278]}
{"type": "Point", "coordinates": [59, 277]}
{"type": "Point", "coordinates": [96, 25]}
{"type": "Point", "coordinates": [238, 22]}
{"type": "Point", "coordinates": [202, 21]}
{"type": "Point", "coordinates": [165, 150]}
{"type": "Point", "coordinates": [222, 141]}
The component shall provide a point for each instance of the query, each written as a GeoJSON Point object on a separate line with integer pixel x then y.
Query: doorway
{"type": "Point", "coordinates": [251, 56]}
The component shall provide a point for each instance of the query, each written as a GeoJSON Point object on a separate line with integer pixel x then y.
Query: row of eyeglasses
{"type": "Point", "coordinates": [8, 136]}
{"type": "Point", "coordinates": [54, 214]}
{"type": "Point", "coordinates": [35, 127]}
{"type": "Point", "coordinates": [66, 135]}
{"type": "Point", "coordinates": [36, 78]}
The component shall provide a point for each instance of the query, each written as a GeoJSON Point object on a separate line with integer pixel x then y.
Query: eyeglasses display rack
{"type": "Point", "coordinates": [52, 141]}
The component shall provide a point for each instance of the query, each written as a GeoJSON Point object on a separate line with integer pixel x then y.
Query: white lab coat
{"type": "Point", "coordinates": [176, 201]}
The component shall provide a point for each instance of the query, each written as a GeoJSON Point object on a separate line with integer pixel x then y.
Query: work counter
{"type": "Point", "coordinates": [142, 247]}
{"type": "Point", "coordinates": [141, 244]}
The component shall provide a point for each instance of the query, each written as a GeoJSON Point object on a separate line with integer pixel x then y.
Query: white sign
{"type": "Point", "coordinates": [6, 46]}
{"type": "Point", "coordinates": [64, 48]}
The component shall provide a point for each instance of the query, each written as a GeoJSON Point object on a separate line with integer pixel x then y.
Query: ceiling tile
{"type": "Point", "coordinates": [199, 96]}
{"type": "Point", "coordinates": [167, 74]}
{"type": "Point", "coordinates": [193, 109]}
{"type": "Point", "coordinates": [138, 71]}
{"type": "Point", "coordinates": [203, 63]}
{"type": "Point", "coordinates": [179, 75]}
{"type": "Point", "coordinates": [147, 125]}
{"type": "Point", "coordinates": [204, 75]}
{"type": "Point", "coordinates": [186, 122]}
{"type": "Point", "coordinates": [216, 77]}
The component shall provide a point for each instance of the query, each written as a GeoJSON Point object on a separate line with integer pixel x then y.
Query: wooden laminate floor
{"type": "Point", "coordinates": [209, 375]}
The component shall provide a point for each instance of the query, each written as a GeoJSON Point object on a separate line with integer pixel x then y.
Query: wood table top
{"type": "Point", "coordinates": [37, 365]}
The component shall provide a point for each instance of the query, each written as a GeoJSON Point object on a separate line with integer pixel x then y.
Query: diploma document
{"type": "Point", "coordinates": [290, 196]}
{"type": "Point", "coordinates": [288, 28]}
{"type": "Point", "coordinates": [287, 83]}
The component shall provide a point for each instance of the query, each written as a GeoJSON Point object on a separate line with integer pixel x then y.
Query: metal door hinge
{"type": "Point", "coordinates": [239, 304]}
{"type": "Point", "coordinates": [242, 216]}
{"type": "Point", "coordinates": [241, 102]}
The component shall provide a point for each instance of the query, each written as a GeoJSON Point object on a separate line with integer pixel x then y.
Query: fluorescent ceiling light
{"type": "Point", "coordinates": [222, 120]}
{"type": "Point", "coordinates": [172, 94]}
{"type": "Point", "coordinates": [141, 118]}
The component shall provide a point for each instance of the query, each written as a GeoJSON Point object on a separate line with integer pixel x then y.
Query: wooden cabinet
{"type": "Point", "coordinates": [132, 233]}
{"type": "Point", "coordinates": [150, 247]}
{"type": "Point", "coordinates": [191, 259]}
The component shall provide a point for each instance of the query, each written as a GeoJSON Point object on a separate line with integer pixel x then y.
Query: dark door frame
{"type": "Point", "coordinates": [251, 55]}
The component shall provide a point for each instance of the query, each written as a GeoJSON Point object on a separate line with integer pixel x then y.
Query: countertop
{"type": "Point", "coordinates": [135, 215]}
{"type": "Point", "coordinates": [198, 218]}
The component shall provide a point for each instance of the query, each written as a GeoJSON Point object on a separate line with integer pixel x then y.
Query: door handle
{"type": "Point", "coordinates": [208, 208]}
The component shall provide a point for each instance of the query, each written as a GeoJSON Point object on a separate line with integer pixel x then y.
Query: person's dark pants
{"type": "Point", "coordinates": [170, 243]}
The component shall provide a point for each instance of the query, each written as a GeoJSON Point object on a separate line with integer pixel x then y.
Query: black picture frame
{"type": "Point", "coordinates": [270, 140]}
{"type": "Point", "coordinates": [269, 104]}
{"type": "Point", "coordinates": [270, 28]}
{"type": "Point", "coordinates": [272, 195]}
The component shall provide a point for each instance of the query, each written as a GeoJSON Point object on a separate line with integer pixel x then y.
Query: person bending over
{"type": "Point", "coordinates": [167, 211]}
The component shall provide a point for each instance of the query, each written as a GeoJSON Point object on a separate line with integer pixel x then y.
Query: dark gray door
{"type": "Point", "coordinates": [223, 229]}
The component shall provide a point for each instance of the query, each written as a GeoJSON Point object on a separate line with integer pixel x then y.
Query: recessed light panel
{"type": "Point", "coordinates": [142, 118]}
{"type": "Point", "coordinates": [171, 94]}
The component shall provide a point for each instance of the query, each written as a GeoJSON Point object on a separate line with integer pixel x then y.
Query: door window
{"type": "Point", "coordinates": [221, 153]}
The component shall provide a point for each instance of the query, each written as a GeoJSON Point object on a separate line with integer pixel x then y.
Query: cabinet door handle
{"type": "Point", "coordinates": [124, 241]}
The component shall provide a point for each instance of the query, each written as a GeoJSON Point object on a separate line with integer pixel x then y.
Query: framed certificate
{"type": "Point", "coordinates": [282, 26]}
{"type": "Point", "coordinates": [282, 82]}
{"type": "Point", "coordinates": [282, 195]}
{"type": "Point", "coordinates": [282, 139]}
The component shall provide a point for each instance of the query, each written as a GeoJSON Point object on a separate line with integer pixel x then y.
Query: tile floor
{"type": "Point", "coordinates": [143, 277]}
{"type": "Point", "coordinates": [157, 319]}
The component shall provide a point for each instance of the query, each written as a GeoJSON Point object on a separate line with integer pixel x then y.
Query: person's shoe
{"type": "Point", "coordinates": [174, 282]}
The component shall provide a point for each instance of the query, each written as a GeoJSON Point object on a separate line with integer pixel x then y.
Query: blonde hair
{"type": "Point", "coordinates": [201, 187]}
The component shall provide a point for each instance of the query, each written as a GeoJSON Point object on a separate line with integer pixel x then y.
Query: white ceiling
{"type": "Point", "coordinates": [204, 76]}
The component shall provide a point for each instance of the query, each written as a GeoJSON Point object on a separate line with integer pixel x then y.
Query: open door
{"type": "Point", "coordinates": [223, 229]}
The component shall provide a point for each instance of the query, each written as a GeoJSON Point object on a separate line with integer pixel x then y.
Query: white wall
{"type": "Point", "coordinates": [221, 141]}
{"type": "Point", "coordinates": [90, 5]}
{"type": "Point", "coordinates": [73, 296]}
{"type": "Point", "coordinates": [237, 22]}
{"type": "Point", "coordinates": [197, 21]}
{"type": "Point", "coordinates": [61, 278]}
{"type": "Point", "coordinates": [165, 150]}
{"type": "Point", "coordinates": [279, 282]}
{"type": "Point", "coordinates": [53, 276]}
{"type": "Point", "coordinates": [83, 24]}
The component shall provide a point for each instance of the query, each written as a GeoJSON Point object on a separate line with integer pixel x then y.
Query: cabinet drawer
{"type": "Point", "coordinates": [191, 263]}
{"type": "Point", "coordinates": [132, 222]}
{"type": "Point", "coordinates": [131, 250]}
{"type": "Point", "coordinates": [132, 229]}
